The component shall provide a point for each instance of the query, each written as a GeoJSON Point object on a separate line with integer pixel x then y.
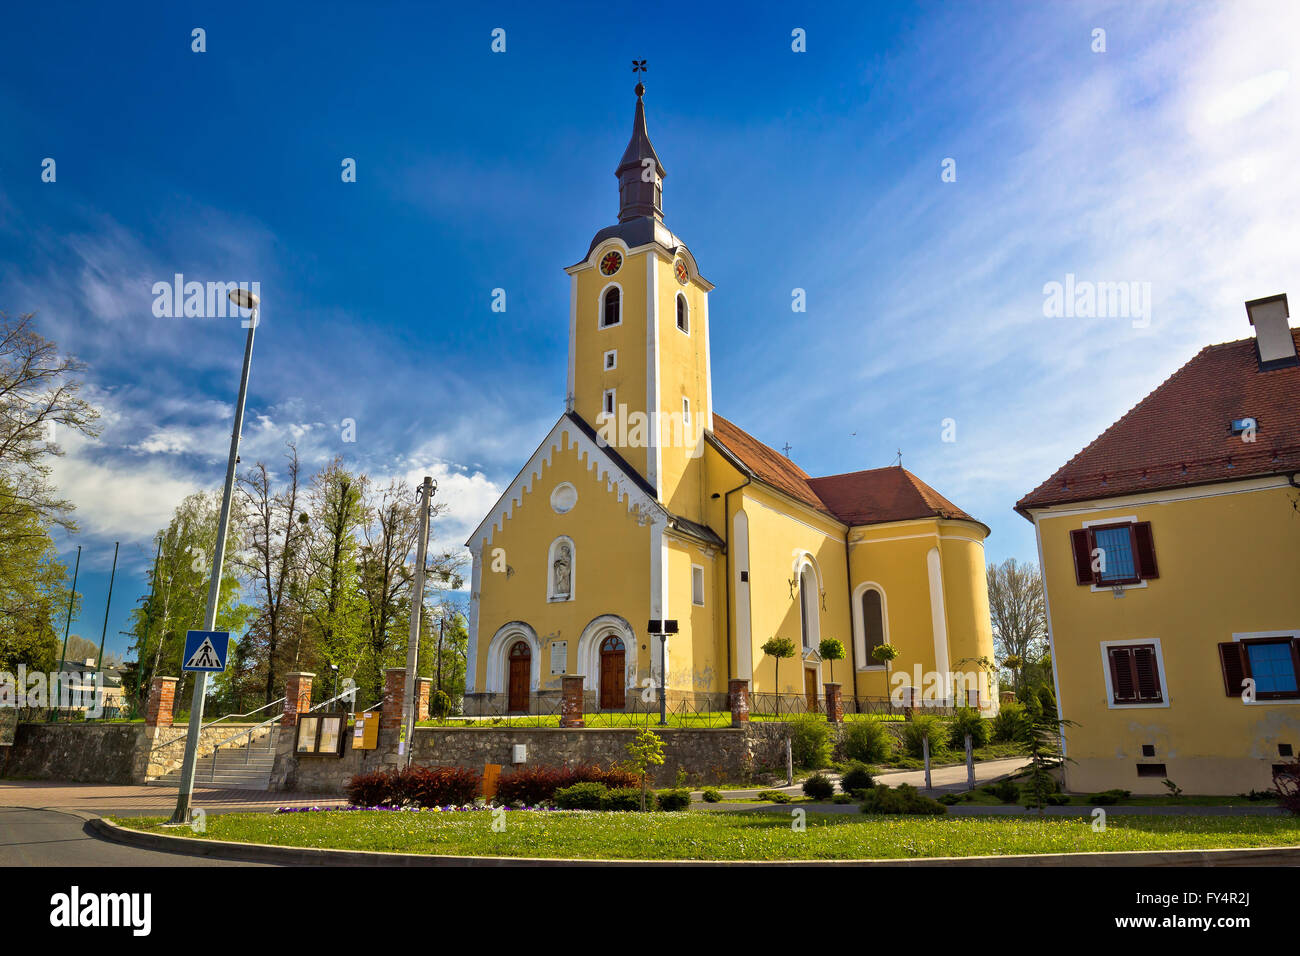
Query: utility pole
{"type": "Point", "coordinates": [181, 814]}
{"type": "Point", "coordinates": [425, 493]}
{"type": "Point", "coordinates": [72, 597]}
{"type": "Point", "coordinates": [99, 661]}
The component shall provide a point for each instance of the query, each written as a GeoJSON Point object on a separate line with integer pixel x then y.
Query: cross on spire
{"type": "Point", "coordinates": [786, 449]}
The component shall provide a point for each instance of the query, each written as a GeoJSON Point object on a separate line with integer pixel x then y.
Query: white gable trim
{"type": "Point", "coordinates": [616, 480]}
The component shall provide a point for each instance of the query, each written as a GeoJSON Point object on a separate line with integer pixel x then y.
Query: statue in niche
{"type": "Point", "coordinates": [563, 569]}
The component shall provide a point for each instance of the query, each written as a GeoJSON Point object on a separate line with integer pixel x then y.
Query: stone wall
{"type": "Point", "coordinates": [105, 753]}
{"type": "Point", "coordinates": [706, 756]}
{"type": "Point", "coordinates": [85, 753]}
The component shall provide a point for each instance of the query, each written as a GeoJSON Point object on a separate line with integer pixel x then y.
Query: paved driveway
{"type": "Point", "coordinates": [109, 799]}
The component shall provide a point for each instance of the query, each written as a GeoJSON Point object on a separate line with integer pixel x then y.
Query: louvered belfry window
{"type": "Point", "coordinates": [1135, 675]}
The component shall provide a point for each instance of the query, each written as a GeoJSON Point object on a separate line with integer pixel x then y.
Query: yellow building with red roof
{"type": "Point", "coordinates": [1170, 547]}
{"type": "Point", "coordinates": [642, 504]}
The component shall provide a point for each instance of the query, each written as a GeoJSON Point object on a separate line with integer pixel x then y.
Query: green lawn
{"type": "Point", "coordinates": [731, 836]}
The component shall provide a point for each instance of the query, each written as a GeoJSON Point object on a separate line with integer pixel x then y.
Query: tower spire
{"type": "Point", "coordinates": [640, 174]}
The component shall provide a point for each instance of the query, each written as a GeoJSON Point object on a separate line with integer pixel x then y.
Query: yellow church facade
{"type": "Point", "coordinates": [644, 504]}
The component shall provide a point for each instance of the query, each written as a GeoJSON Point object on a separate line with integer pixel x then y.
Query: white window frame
{"type": "Point", "coordinates": [697, 574]}
{"type": "Point", "coordinates": [609, 402]}
{"type": "Point", "coordinates": [686, 314]}
{"type": "Point", "coordinates": [610, 360]}
{"type": "Point", "coordinates": [1280, 633]}
{"type": "Point", "coordinates": [600, 306]}
{"type": "Point", "coordinates": [1160, 670]}
{"type": "Point", "coordinates": [864, 660]}
{"type": "Point", "coordinates": [686, 411]}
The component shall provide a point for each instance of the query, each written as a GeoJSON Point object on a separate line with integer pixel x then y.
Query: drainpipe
{"type": "Point", "coordinates": [853, 643]}
{"type": "Point", "coordinates": [726, 537]}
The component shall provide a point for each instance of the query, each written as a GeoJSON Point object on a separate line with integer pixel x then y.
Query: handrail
{"type": "Point", "coordinates": [347, 693]}
{"type": "Point", "coordinates": [249, 714]}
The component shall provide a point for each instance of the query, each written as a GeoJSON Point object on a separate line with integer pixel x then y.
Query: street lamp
{"type": "Point", "coordinates": [243, 299]}
{"type": "Point", "coordinates": [662, 629]}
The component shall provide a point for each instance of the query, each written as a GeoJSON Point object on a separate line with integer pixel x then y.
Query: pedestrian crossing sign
{"type": "Point", "coordinates": [206, 650]}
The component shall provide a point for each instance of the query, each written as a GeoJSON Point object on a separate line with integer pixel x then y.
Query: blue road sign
{"type": "Point", "coordinates": [205, 650]}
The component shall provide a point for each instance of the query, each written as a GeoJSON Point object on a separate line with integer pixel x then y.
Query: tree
{"type": "Point", "coordinates": [178, 592]}
{"type": "Point", "coordinates": [1017, 612]}
{"type": "Point", "coordinates": [778, 648]}
{"type": "Point", "coordinates": [885, 654]}
{"type": "Point", "coordinates": [831, 649]}
{"type": "Point", "coordinates": [39, 395]}
{"type": "Point", "coordinates": [272, 557]}
{"type": "Point", "coordinates": [388, 538]}
{"type": "Point", "coordinates": [334, 603]}
{"type": "Point", "coordinates": [646, 751]}
{"type": "Point", "coordinates": [34, 591]}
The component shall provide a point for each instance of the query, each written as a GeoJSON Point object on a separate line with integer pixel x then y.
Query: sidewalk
{"type": "Point", "coordinates": [950, 779]}
{"type": "Point", "coordinates": [148, 801]}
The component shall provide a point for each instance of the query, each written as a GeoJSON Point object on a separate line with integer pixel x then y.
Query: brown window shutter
{"type": "Point", "coordinates": [1232, 659]}
{"type": "Point", "coordinates": [1081, 543]}
{"type": "Point", "coordinates": [1146, 551]}
{"type": "Point", "coordinates": [1122, 678]}
{"type": "Point", "coordinates": [1147, 673]}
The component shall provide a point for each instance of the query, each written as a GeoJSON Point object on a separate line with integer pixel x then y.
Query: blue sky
{"type": "Point", "coordinates": [1167, 159]}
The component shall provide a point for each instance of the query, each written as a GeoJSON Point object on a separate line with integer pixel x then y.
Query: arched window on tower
{"type": "Point", "coordinates": [683, 314]}
{"type": "Point", "coordinates": [609, 309]}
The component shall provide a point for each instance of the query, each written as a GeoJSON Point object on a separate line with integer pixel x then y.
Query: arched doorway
{"type": "Point", "coordinates": [613, 666]}
{"type": "Point", "coordinates": [521, 663]}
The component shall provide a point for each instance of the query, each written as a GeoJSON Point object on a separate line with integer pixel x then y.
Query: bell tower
{"type": "Point", "coordinates": [639, 335]}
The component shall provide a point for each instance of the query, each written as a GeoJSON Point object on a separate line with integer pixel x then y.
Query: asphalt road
{"type": "Point", "coordinates": [52, 838]}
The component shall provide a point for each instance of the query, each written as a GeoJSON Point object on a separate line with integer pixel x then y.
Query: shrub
{"type": "Point", "coordinates": [437, 786]}
{"type": "Point", "coordinates": [842, 798]}
{"type": "Point", "coordinates": [776, 796]}
{"type": "Point", "coordinates": [711, 795]}
{"type": "Point", "coordinates": [622, 798]}
{"type": "Point", "coordinates": [529, 786]}
{"type": "Point", "coordinates": [415, 786]}
{"type": "Point", "coordinates": [819, 787]}
{"type": "Point", "coordinates": [676, 799]}
{"type": "Point", "coordinates": [368, 790]}
{"type": "Point", "coordinates": [810, 741]}
{"type": "Point", "coordinates": [856, 777]}
{"type": "Point", "coordinates": [948, 799]}
{"type": "Point", "coordinates": [967, 721]}
{"type": "Point", "coordinates": [1057, 799]}
{"type": "Point", "coordinates": [583, 796]}
{"type": "Point", "coordinates": [867, 740]}
{"type": "Point", "coordinates": [903, 800]}
{"type": "Point", "coordinates": [440, 704]}
{"type": "Point", "coordinates": [923, 727]}
{"type": "Point", "coordinates": [1107, 797]}
{"type": "Point", "coordinates": [1011, 724]}
{"type": "Point", "coordinates": [1286, 780]}
{"type": "Point", "coordinates": [1008, 791]}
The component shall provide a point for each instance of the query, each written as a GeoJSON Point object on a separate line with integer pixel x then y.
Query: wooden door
{"type": "Point", "coordinates": [521, 663]}
{"type": "Point", "coordinates": [613, 662]}
{"type": "Point", "coordinates": [810, 688]}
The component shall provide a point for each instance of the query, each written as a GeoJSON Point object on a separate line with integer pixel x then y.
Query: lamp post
{"type": "Point", "coordinates": [662, 629]}
{"type": "Point", "coordinates": [242, 299]}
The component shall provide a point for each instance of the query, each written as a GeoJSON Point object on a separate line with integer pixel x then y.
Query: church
{"type": "Point", "coordinates": [644, 504]}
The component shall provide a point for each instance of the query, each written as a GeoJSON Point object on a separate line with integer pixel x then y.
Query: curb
{"type": "Point", "coordinates": [312, 856]}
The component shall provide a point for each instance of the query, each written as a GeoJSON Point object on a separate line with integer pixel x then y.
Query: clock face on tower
{"type": "Point", "coordinates": [610, 263]}
{"type": "Point", "coordinates": [682, 274]}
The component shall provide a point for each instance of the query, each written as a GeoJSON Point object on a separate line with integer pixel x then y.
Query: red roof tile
{"type": "Point", "coordinates": [861, 497]}
{"type": "Point", "coordinates": [1180, 435]}
{"type": "Point", "coordinates": [883, 494]}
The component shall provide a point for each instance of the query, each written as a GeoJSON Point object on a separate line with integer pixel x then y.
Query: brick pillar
{"type": "Point", "coordinates": [162, 699]}
{"type": "Point", "coordinates": [834, 704]}
{"type": "Point", "coordinates": [297, 697]}
{"type": "Point", "coordinates": [571, 702]}
{"type": "Point", "coordinates": [738, 694]}
{"type": "Point", "coordinates": [390, 715]}
{"type": "Point", "coordinates": [423, 685]}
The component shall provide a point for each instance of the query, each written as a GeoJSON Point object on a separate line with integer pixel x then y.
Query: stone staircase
{"type": "Point", "coordinates": [235, 768]}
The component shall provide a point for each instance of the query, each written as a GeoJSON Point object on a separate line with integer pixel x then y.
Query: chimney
{"type": "Point", "coordinates": [1273, 338]}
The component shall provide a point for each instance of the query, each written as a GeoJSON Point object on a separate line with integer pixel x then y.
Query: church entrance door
{"type": "Point", "coordinates": [521, 662]}
{"type": "Point", "coordinates": [613, 666]}
{"type": "Point", "coordinates": [810, 688]}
